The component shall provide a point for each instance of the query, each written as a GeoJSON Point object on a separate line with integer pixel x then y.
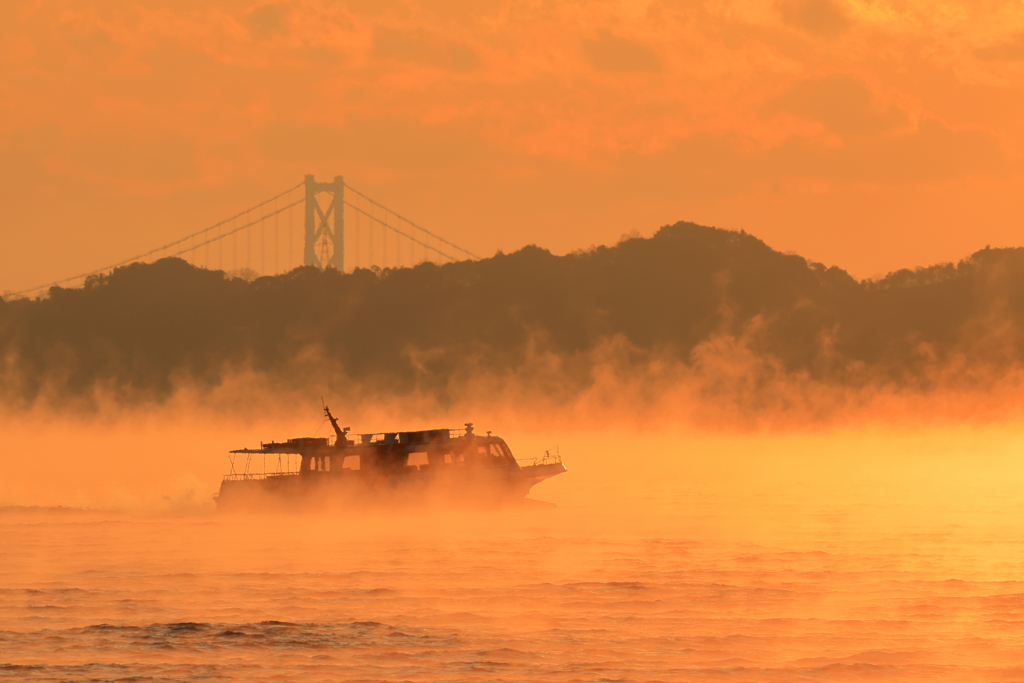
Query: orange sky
{"type": "Point", "coordinates": [870, 135]}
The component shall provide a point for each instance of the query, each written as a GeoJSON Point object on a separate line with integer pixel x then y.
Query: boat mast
{"type": "Point", "coordinates": [342, 439]}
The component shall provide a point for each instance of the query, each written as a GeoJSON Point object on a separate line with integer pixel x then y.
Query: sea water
{"type": "Point", "coordinates": [842, 555]}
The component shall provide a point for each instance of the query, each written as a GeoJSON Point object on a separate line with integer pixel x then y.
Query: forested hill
{"type": "Point", "coordinates": [143, 328]}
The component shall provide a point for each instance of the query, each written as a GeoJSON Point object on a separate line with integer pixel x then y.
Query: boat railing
{"type": "Point", "coordinates": [249, 476]}
{"type": "Point", "coordinates": [547, 459]}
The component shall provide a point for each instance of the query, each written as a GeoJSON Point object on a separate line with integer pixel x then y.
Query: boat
{"type": "Point", "coordinates": [439, 465]}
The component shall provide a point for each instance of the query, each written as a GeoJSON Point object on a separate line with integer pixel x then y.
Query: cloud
{"type": "Point", "coordinates": [935, 153]}
{"type": "Point", "coordinates": [268, 20]}
{"type": "Point", "coordinates": [93, 42]}
{"type": "Point", "coordinates": [419, 47]}
{"type": "Point", "coordinates": [613, 53]}
{"type": "Point", "coordinates": [820, 17]}
{"type": "Point", "coordinates": [391, 141]}
{"type": "Point", "coordinates": [1011, 50]}
{"type": "Point", "coordinates": [122, 155]}
{"type": "Point", "coordinates": [843, 103]}
{"type": "Point", "coordinates": [932, 153]}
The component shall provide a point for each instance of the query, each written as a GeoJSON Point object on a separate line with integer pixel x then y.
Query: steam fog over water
{"type": "Point", "coordinates": [867, 553]}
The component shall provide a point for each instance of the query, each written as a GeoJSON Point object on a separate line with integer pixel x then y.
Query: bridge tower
{"type": "Point", "coordinates": [318, 223]}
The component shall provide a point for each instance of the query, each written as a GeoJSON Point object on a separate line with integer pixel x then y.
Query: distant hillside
{"type": "Point", "coordinates": [144, 328]}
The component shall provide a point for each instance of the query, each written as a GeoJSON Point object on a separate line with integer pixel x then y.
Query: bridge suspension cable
{"type": "Point", "coordinates": [395, 213]}
{"type": "Point", "coordinates": [409, 237]}
{"type": "Point", "coordinates": [325, 243]}
{"type": "Point", "coordinates": [231, 232]}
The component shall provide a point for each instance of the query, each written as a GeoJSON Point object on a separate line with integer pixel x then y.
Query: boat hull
{"type": "Point", "coordinates": [404, 488]}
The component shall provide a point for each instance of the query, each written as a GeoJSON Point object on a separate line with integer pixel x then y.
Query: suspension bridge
{"type": "Point", "coordinates": [322, 224]}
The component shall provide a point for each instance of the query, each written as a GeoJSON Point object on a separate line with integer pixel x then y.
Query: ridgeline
{"type": "Point", "coordinates": [145, 327]}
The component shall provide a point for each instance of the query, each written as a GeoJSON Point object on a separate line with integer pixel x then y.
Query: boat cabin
{"type": "Point", "coordinates": [393, 452]}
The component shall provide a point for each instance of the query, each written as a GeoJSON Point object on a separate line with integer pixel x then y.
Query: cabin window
{"type": "Point", "coordinates": [351, 462]}
{"type": "Point", "coordinates": [447, 458]}
{"type": "Point", "coordinates": [417, 459]}
{"type": "Point", "coordinates": [327, 464]}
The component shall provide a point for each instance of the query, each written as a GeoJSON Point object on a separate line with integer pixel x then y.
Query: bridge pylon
{"type": "Point", "coordinates": [319, 229]}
